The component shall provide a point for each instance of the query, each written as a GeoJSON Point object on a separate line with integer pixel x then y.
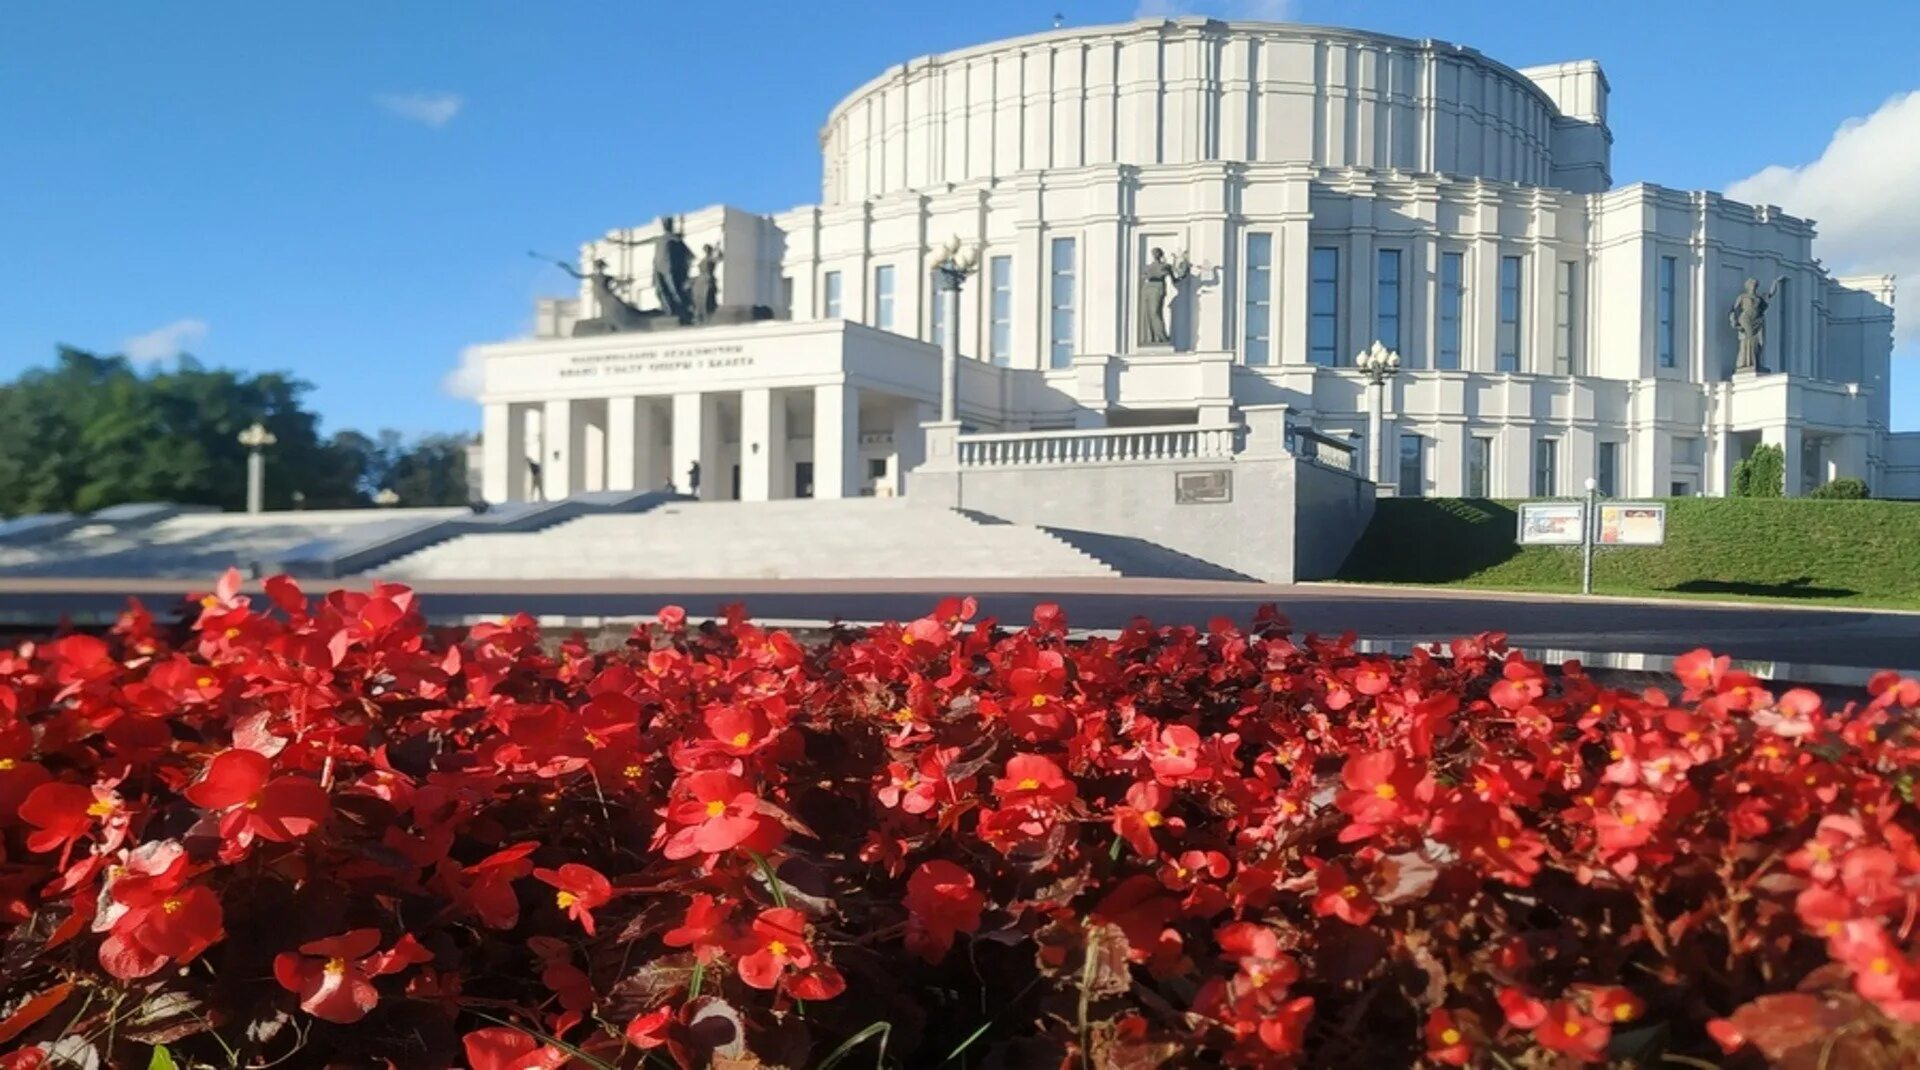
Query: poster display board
{"type": "Point", "coordinates": [1632, 524]}
{"type": "Point", "coordinates": [1551, 523]}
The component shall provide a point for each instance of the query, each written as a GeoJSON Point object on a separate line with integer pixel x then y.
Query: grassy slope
{"type": "Point", "coordinates": [1800, 550]}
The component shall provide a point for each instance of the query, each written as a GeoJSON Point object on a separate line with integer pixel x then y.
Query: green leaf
{"type": "Point", "coordinates": [162, 1059]}
{"type": "Point", "coordinates": [879, 1029]}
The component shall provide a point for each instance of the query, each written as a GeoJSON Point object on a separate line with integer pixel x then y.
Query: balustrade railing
{"type": "Point", "coordinates": [1106, 445]}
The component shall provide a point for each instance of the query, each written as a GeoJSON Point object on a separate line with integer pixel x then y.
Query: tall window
{"type": "Point", "coordinates": [786, 297]}
{"type": "Point", "coordinates": [1453, 292]}
{"type": "Point", "coordinates": [1323, 308]}
{"type": "Point", "coordinates": [1607, 469]}
{"type": "Point", "coordinates": [1669, 278]}
{"type": "Point", "coordinates": [1060, 305]}
{"type": "Point", "coordinates": [830, 304]}
{"type": "Point", "coordinates": [1000, 310]}
{"type": "Point", "coordinates": [1479, 464]}
{"type": "Point", "coordinates": [1386, 314]}
{"type": "Point", "coordinates": [883, 297]}
{"type": "Point", "coordinates": [1412, 479]}
{"type": "Point", "coordinates": [1546, 467]}
{"type": "Point", "coordinates": [1259, 309]}
{"type": "Point", "coordinates": [1507, 352]}
{"type": "Point", "coordinates": [1563, 326]}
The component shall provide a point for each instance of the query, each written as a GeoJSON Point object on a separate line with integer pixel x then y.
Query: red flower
{"type": "Point", "coordinates": [1177, 755]}
{"type": "Point", "coordinates": [334, 976]}
{"type": "Point", "coordinates": [707, 928]}
{"type": "Point", "coordinates": [1630, 821]}
{"type": "Point", "coordinates": [1144, 811]}
{"type": "Point", "coordinates": [1033, 780]}
{"type": "Point", "coordinates": [1383, 788]}
{"type": "Point", "coordinates": [1570, 1031]}
{"type": "Point", "coordinates": [502, 1048]}
{"type": "Point", "coordinates": [717, 812]}
{"type": "Point", "coordinates": [157, 921]}
{"type": "Point", "coordinates": [490, 884]}
{"type": "Point", "coordinates": [649, 1030]}
{"type": "Point", "coordinates": [236, 786]}
{"type": "Point", "coordinates": [737, 730]}
{"type": "Point", "coordinates": [65, 813]}
{"type": "Point", "coordinates": [777, 943]}
{"type": "Point", "coordinates": [941, 902]}
{"type": "Point", "coordinates": [1699, 671]}
{"type": "Point", "coordinates": [1522, 1010]}
{"type": "Point", "coordinates": [1446, 1045]}
{"type": "Point", "coordinates": [581, 889]}
{"type": "Point", "coordinates": [1340, 896]}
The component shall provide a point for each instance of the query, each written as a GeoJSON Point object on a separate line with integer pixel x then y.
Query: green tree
{"type": "Point", "coordinates": [1763, 474]}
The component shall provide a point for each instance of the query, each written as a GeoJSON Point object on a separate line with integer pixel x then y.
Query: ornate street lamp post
{"type": "Point", "coordinates": [1380, 364]}
{"type": "Point", "coordinates": [952, 266]}
{"type": "Point", "coordinates": [256, 438]}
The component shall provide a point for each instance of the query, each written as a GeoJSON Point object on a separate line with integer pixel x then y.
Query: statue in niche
{"type": "Point", "coordinates": [612, 311]}
{"type": "Point", "coordinates": [1158, 287]}
{"type": "Point", "coordinates": [706, 284]}
{"type": "Point", "coordinates": [1748, 316]}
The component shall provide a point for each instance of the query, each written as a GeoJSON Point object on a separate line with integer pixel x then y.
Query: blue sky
{"type": "Point", "coordinates": [349, 190]}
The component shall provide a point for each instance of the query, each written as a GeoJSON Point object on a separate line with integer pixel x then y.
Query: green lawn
{"type": "Point", "coordinates": [1793, 550]}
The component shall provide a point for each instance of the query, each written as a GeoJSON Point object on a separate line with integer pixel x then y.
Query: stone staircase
{"type": "Point", "coordinates": [790, 539]}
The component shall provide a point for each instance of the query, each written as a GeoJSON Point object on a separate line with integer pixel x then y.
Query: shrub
{"type": "Point", "coordinates": [1761, 474]}
{"type": "Point", "coordinates": [1847, 488]}
{"type": "Point", "coordinates": [320, 833]}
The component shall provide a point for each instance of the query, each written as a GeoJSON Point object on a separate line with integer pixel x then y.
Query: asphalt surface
{"type": "Point", "coordinates": [1858, 639]}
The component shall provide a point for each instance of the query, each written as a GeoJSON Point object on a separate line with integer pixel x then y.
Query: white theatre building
{"type": "Point", "coordinates": [1330, 188]}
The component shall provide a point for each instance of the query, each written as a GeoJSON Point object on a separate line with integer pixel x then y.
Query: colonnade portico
{"type": "Point", "coordinates": [756, 443]}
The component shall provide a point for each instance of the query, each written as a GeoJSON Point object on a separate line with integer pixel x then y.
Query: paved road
{"type": "Point", "coordinates": [1852, 638]}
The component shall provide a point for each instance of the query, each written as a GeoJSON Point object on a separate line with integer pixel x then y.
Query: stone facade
{"type": "Point", "coordinates": [1331, 188]}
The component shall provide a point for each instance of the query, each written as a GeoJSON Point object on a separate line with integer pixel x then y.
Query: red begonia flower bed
{"type": "Point", "coordinates": [320, 833]}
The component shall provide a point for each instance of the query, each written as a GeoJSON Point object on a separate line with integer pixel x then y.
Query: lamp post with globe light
{"type": "Point", "coordinates": [256, 439]}
{"type": "Point", "coordinates": [952, 265]}
{"type": "Point", "coordinates": [1380, 364]}
{"type": "Point", "coordinates": [1592, 527]}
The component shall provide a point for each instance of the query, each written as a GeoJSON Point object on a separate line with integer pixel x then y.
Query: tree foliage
{"type": "Point", "coordinates": [1846, 488]}
{"type": "Point", "coordinates": [92, 431]}
{"type": "Point", "coordinates": [1763, 474]}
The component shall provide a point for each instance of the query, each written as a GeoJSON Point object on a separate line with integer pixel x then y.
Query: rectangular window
{"type": "Point", "coordinates": [1507, 344]}
{"type": "Point", "coordinates": [1479, 465]}
{"type": "Point", "coordinates": [1000, 310]}
{"type": "Point", "coordinates": [883, 297]}
{"type": "Point", "coordinates": [1060, 305]}
{"type": "Point", "coordinates": [1386, 306]}
{"type": "Point", "coordinates": [1669, 272]}
{"type": "Point", "coordinates": [1453, 293]}
{"type": "Point", "coordinates": [938, 320]}
{"type": "Point", "coordinates": [1563, 298]}
{"type": "Point", "coordinates": [1259, 306]}
{"type": "Point", "coordinates": [786, 297]}
{"type": "Point", "coordinates": [1546, 468]}
{"type": "Point", "coordinates": [1412, 479]}
{"type": "Point", "coordinates": [830, 302]}
{"type": "Point", "coordinates": [1323, 308]}
{"type": "Point", "coordinates": [1607, 469]}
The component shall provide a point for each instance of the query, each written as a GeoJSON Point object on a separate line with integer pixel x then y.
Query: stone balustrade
{"type": "Point", "coordinates": [1107, 445]}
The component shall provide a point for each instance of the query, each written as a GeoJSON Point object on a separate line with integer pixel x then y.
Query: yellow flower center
{"type": "Point", "coordinates": [1503, 842]}
{"type": "Point", "coordinates": [1595, 709]}
{"type": "Point", "coordinates": [1180, 872]}
{"type": "Point", "coordinates": [741, 739]}
{"type": "Point", "coordinates": [1480, 785]}
{"type": "Point", "coordinates": [6, 764]}
{"type": "Point", "coordinates": [209, 601]}
{"type": "Point", "coordinates": [1881, 965]}
{"type": "Point", "coordinates": [1629, 820]}
{"type": "Point", "coordinates": [593, 740]}
{"type": "Point", "coordinates": [566, 900]}
{"type": "Point", "coordinates": [1387, 791]}
{"type": "Point", "coordinates": [777, 948]}
{"type": "Point", "coordinates": [1616, 754]}
{"type": "Point", "coordinates": [1622, 1012]}
{"type": "Point", "coordinates": [1572, 1028]}
{"type": "Point", "coordinates": [1350, 892]}
{"type": "Point", "coordinates": [1028, 784]}
{"type": "Point", "coordinates": [1174, 751]}
{"type": "Point", "coordinates": [1450, 1036]}
{"type": "Point", "coordinates": [1258, 976]}
{"type": "Point", "coordinates": [1037, 701]}
{"type": "Point", "coordinates": [716, 808]}
{"type": "Point", "coordinates": [100, 808]}
{"type": "Point", "coordinates": [172, 906]}
{"type": "Point", "coordinates": [903, 717]}
{"type": "Point", "coordinates": [335, 966]}
{"type": "Point", "coordinates": [233, 633]}
{"type": "Point", "coordinates": [204, 681]}
{"type": "Point", "coordinates": [1152, 819]}
{"type": "Point", "coordinates": [633, 772]}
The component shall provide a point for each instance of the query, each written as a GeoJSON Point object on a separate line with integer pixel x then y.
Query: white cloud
{"type": "Point", "coordinates": [1251, 10]}
{"type": "Point", "coordinates": [466, 379]}
{"type": "Point", "coordinates": [428, 109]}
{"type": "Point", "coordinates": [1863, 195]}
{"type": "Point", "coordinates": [164, 343]}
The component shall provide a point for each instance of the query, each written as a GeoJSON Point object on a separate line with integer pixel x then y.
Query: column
{"type": "Point", "coordinates": [621, 447]}
{"type": "Point", "coordinates": [687, 439]}
{"type": "Point", "coordinates": [836, 441]}
{"type": "Point", "coordinates": [646, 446]}
{"type": "Point", "coordinates": [909, 442]}
{"type": "Point", "coordinates": [763, 445]}
{"type": "Point", "coordinates": [562, 446]}
{"type": "Point", "coordinates": [503, 445]}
